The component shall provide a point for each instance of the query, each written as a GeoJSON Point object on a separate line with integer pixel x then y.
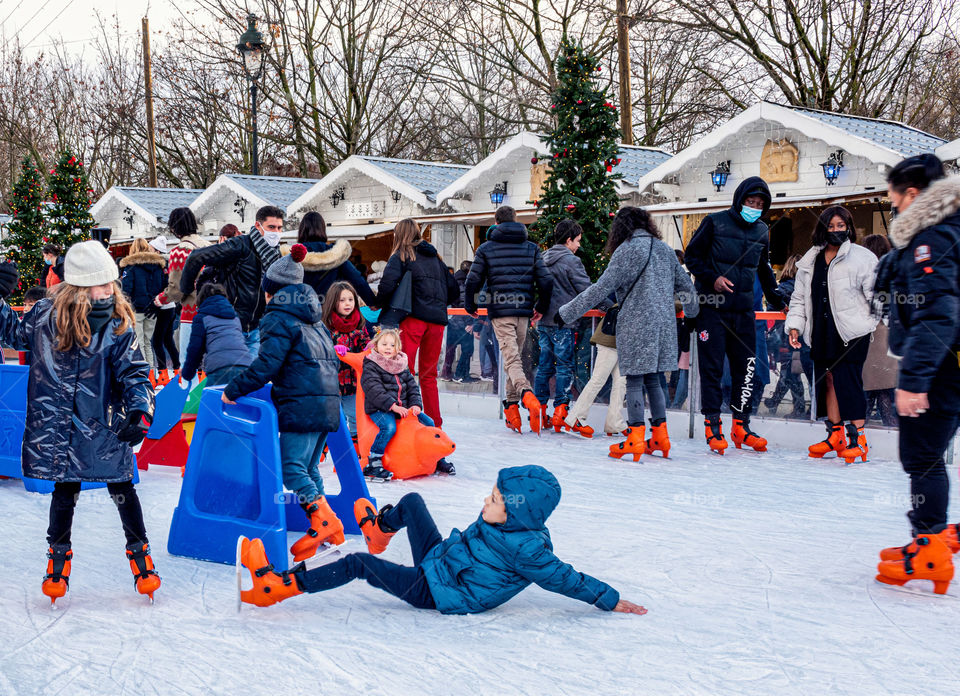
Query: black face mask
{"type": "Point", "coordinates": [100, 313]}
{"type": "Point", "coordinates": [837, 238]}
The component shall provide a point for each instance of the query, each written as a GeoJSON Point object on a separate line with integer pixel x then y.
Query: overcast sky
{"type": "Point", "coordinates": [39, 22]}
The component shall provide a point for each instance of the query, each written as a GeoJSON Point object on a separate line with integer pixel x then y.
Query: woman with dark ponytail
{"type": "Point", "coordinates": [923, 277]}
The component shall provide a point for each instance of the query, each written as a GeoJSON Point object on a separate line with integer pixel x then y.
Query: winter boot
{"type": "Point", "coordinates": [858, 444]}
{"type": "Point", "coordinates": [375, 532]}
{"type": "Point", "coordinates": [141, 565]}
{"type": "Point", "coordinates": [511, 412]}
{"type": "Point", "coordinates": [374, 470]}
{"type": "Point", "coordinates": [269, 587]}
{"type": "Point", "coordinates": [530, 403]}
{"type": "Point", "coordinates": [445, 467]}
{"type": "Point", "coordinates": [742, 435]}
{"type": "Point", "coordinates": [582, 430]}
{"type": "Point", "coordinates": [57, 580]}
{"type": "Point", "coordinates": [659, 439]}
{"type": "Point", "coordinates": [833, 443]}
{"type": "Point", "coordinates": [559, 416]}
{"type": "Point", "coordinates": [634, 444]}
{"type": "Point", "coordinates": [950, 536]}
{"type": "Point", "coordinates": [927, 557]}
{"type": "Point", "coordinates": [713, 430]}
{"type": "Point", "coordinates": [325, 526]}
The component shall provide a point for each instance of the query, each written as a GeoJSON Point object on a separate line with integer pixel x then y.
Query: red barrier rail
{"type": "Point", "coordinates": [761, 316]}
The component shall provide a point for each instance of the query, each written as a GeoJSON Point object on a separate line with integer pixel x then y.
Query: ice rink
{"type": "Point", "coordinates": [757, 570]}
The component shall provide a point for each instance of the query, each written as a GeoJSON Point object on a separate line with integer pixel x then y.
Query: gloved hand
{"type": "Point", "coordinates": [558, 320]}
{"type": "Point", "coordinates": [134, 428]}
{"type": "Point", "coordinates": [341, 350]}
{"type": "Point", "coordinates": [9, 278]}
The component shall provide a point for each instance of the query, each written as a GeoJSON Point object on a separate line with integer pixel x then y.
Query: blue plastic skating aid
{"type": "Point", "coordinates": [353, 485]}
{"type": "Point", "coordinates": [13, 414]}
{"type": "Point", "coordinates": [170, 401]}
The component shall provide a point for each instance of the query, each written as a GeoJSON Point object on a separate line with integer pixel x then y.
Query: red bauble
{"type": "Point", "coordinates": [579, 101]}
{"type": "Point", "coordinates": [571, 206]}
{"type": "Point", "coordinates": [72, 161]}
{"type": "Point", "coordinates": [609, 169]}
{"type": "Point", "coordinates": [533, 160]}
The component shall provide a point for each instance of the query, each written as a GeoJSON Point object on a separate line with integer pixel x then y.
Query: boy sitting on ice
{"type": "Point", "coordinates": [481, 568]}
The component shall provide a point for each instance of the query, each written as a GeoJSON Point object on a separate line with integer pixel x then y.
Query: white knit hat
{"type": "Point", "coordinates": [159, 244]}
{"type": "Point", "coordinates": [88, 264]}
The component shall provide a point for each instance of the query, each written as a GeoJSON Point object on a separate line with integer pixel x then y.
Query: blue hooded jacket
{"type": "Point", "coordinates": [216, 340]}
{"type": "Point", "coordinates": [487, 564]}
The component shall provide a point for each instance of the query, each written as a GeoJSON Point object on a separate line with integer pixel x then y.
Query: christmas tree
{"type": "Point", "coordinates": [583, 148]}
{"type": "Point", "coordinates": [27, 231]}
{"type": "Point", "coordinates": [69, 212]}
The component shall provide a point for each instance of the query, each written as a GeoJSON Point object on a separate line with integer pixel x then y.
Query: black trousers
{"type": "Point", "coordinates": [732, 335]}
{"type": "Point", "coordinates": [847, 372]}
{"type": "Point", "coordinates": [923, 442]}
{"type": "Point", "coordinates": [163, 342]}
{"type": "Point", "coordinates": [64, 500]}
{"type": "Point", "coordinates": [407, 583]}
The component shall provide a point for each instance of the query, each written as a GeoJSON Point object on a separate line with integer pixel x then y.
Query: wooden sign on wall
{"type": "Point", "coordinates": [780, 161]}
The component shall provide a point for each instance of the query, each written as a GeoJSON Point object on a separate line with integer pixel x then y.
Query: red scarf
{"type": "Point", "coordinates": [346, 324]}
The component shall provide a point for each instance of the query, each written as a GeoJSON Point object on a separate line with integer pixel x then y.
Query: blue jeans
{"type": "Point", "coordinates": [387, 422]}
{"type": "Point", "coordinates": [556, 359]}
{"type": "Point", "coordinates": [252, 339]}
{"type": "Point", "coordinates": [409, 584]}
{"type": "Point", "coordinates": [299, 457]}
{"type": "Point", "coordinates": [348, 403]}
{"type": "Point", "coordinates": [680, 396]}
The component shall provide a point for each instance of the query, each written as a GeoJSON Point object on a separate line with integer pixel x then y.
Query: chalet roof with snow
{"type": "Point", "coordinates": [152, 204]}
{"type": "Point", "coordinates": [258, 191]}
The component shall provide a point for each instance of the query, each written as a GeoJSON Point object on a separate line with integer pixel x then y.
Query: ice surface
{"type": "Point", "coordinates": [757, 571]}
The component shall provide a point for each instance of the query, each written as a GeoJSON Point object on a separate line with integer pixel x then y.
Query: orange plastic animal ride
{"type": "Point", "coordinates": [413, 451]}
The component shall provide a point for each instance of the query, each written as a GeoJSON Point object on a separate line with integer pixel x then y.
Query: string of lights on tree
{"type": "Point", "coordinates": [583, 149]}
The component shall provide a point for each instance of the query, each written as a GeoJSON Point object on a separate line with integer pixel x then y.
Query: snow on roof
{"type": "Point", "coordinates": [152, 204]}
{"type": "Point", "coordinates": [637, 161]}
{"type": "Point", "coordinates": [949, 151]}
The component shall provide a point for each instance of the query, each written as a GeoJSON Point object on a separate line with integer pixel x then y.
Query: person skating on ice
{"type": "Point", "coordinates": [728, 252]}
{"type": "Point", "coordinates": [920, 279]}
{"type": "Point", "coordinates": [830, 310]}
{"type": "Point", "coordinates": [506, 549]}
{"type": "Point", "coordinates": [89, 402]}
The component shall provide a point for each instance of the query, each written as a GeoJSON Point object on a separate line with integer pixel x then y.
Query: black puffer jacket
{"type": "Point", "coordinates": [727, 245]}
{"type": "Point", "coordinates": [461, 278]}
{"type": "Point", "coordinates": [78, 399]}
{"type": "Point", "coordinates": [142, 278]}
{"type": "Point", "coordinates": [239, 267]}
{"type": "Point", "coordinates": [513, 270]}
{"type": "Point", "coordinates": [434, 288]}
{"type": "Point", "coordinates": [297, 355]}
{"type": "Point", "coordinates": [388, 381]}
{"type": "Point", "coordinates": [326, 264]}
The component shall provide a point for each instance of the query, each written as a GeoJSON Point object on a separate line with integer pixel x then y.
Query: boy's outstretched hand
{"type": "Point", "coordinates": [626, 607]}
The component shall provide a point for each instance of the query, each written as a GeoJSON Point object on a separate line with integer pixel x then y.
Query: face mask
{"type": "Point", "coordinates": [751, 215]}
{"type": "Point", "coordinates": [272, 238]}
{"type": "Point", "coordinates": [48, 262]}
{"type": "Point", "coordinates": [837, 238]}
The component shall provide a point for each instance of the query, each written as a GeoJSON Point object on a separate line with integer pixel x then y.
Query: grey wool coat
{"type": "Point", "coordinates": [647, 325]}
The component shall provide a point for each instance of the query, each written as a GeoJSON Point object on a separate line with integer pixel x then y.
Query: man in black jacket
{"type": "Point", "coordinates": [728, 252]}
{"type": "Point", "coordinates": [514, 273]}
{"type": "Point", "coordinates": [241, 263]}
{"type": "Point", "coordinates": [459, 333]}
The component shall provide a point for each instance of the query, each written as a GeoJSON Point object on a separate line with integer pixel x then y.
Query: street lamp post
{"type": "Point", "coordinates": [252, 49]}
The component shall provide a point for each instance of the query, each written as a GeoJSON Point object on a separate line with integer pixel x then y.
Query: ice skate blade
{"type": "Point", "coordinates": [239, 566]}
{"type": "Point", "coordinates": [375, 479]}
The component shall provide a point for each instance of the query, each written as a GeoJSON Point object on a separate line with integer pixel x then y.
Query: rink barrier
{"type": "Point", "coordinates": [233, 482]}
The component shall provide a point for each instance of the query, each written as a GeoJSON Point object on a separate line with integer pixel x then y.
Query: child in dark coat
{"type": "Point", "coordinates": [298, 357]}
{"type": "Point", "coordinates": [89, 402]}
{"type": "Point", "coordinates": [341, 314]}
{"type": "Point", "coordinates": [491, 561]}
{"type": "Point", "coordinates": [216, 340]}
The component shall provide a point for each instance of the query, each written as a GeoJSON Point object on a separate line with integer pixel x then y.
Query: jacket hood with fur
{"type": "Point", "coordinates": [939, 201]}
{"type": "Point", "coordinates": [144, 257]}
{"type": "Point", "coordinates": [322, 257]}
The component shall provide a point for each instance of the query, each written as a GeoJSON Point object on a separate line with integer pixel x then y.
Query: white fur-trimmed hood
{"type": "Point", "coordinates": [331, 258]}
{"type": "Point", "coordinates": [940, 200]}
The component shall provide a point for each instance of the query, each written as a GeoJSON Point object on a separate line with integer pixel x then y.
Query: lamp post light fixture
{"type": "Point", "coordinates": [252, 49]}
{"type": "Point", "coordinates": [334, 199]}
{"type": "Point", "coordinates": [832, 167]}
{"type": "Point", "coordinates": [498, 193]}
{"type": "Point", "coordinates": [719, 175]}
{"type": "Point", "coordinates": [395, 195]}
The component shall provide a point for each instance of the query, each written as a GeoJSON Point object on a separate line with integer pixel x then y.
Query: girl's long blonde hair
{"type": "Point", "coordinates": [71, 304]}
{"type": "Point", "coordinates": [406, 236]}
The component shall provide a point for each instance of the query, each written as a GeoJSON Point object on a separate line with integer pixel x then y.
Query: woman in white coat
{"type": "Point", "coordinates": [830, 310]}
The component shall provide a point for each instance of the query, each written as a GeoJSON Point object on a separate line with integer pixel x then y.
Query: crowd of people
{"type": "Point", "coordinates": [251, 312]}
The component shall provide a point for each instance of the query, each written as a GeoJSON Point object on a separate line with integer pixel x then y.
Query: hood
{"type": "Point", "coordinates": [750, 186]}
{"type": "Point", "coordinates": [939, 201]}
{"type": "Point", "coordinates": [395, 365]}
{"type": "Point", "coordinates": [425, 248]}
{"type": "Point", "coordinates": [555, 253]}
{"type": "Point", "coordinates": [299, 301]}
{"type": "Point", "coordinates": [322, 256]}
{"type": "Point", "coordinates": [378, 266]}
{"type": "Point", "coordinates": [144, 257]}
{"type": "Point", "coordinates": [510, 232]}
{"type": "Point", "coordinates": [531, 493]}
{"type": "Point", "coordinates": [461, 276]}
{"type": "Point", "coordinates": [217, 306]}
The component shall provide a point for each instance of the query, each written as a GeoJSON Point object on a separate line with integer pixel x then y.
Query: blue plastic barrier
{"type": "Point", "coordinates": [233, 483]}
{"type": "Point", "coordinates": [13, 415]}
{"type": "Point", "coordinates": [169, 408]}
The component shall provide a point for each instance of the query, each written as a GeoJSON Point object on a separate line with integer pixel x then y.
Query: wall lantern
{"type": "Point", "coordinates": [832, 167]}
{"type": "Point", "coordinates": [719, 175]}
{"type": "Point", "coordinates": [498, 193]}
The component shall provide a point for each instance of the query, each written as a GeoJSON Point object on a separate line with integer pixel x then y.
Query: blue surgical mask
{"type": "Point", "coordinates": [751, 215]}
{"type": "Point", "coordinates": [48, 262]}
